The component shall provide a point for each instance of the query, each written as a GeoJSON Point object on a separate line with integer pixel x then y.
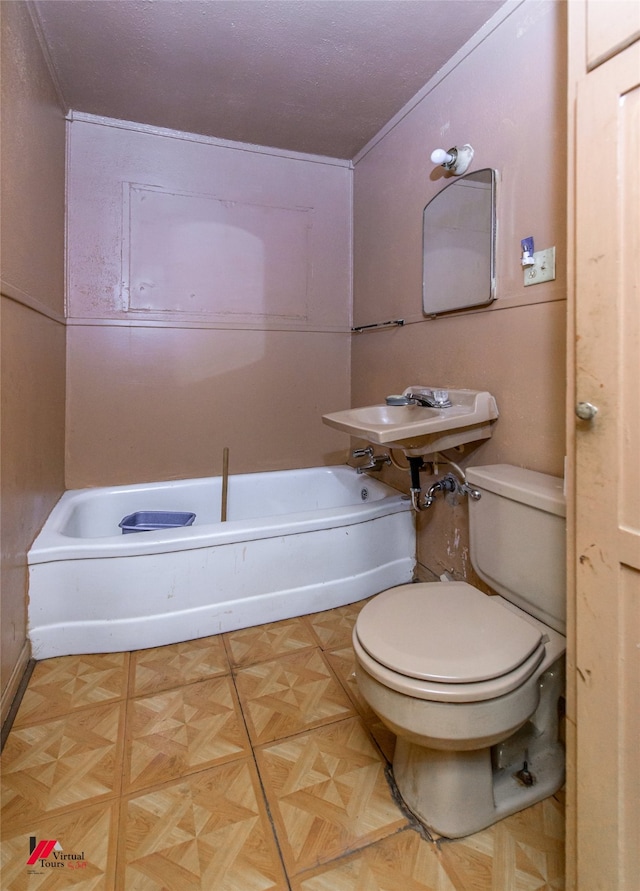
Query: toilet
{"type": "Point", "coordinates": [472, 685]}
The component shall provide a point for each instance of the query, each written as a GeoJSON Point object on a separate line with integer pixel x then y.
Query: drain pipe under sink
{"type": "Point", "coordinates": [416, 463]}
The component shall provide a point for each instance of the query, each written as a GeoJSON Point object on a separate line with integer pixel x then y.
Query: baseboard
{"type": "Point", "coordinates": [14, 691]}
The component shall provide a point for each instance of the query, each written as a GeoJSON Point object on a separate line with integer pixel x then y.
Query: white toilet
{"type": "Point", "coordinates": [472, 685]}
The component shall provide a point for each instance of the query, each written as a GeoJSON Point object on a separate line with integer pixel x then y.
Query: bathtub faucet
{"type": "Point", "coordinates": [375, 461]}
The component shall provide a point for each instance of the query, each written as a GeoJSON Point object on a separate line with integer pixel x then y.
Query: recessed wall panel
{"type": "Point", "coordinates": [197, 253]}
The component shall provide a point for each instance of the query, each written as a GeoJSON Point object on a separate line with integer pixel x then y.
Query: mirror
{"type": "Point", "coordinates": [458, 244]}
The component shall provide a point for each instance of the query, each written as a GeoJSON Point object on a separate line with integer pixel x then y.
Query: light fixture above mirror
{"type": "Point", "coordinates": [455, 159]}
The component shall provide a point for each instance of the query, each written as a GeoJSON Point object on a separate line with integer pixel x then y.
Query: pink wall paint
{"type": "Point", "coordinates": [33, 147]}
{"type": "Point", "coordinates": [508, 99]}
{"type": "Point", "coordinates": [209, 306]}
{"type": "Point", "coordinates": [33, 334]}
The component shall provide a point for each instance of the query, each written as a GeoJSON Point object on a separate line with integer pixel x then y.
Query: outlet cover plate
{"type": "Point", "coordinates": [544, 269]}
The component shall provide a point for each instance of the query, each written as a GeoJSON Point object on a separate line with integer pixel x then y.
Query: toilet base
{"type": "Point", "coordinates": [457, 793]}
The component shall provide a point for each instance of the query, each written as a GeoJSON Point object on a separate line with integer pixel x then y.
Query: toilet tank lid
{"type": "Point", "coordinates": [519, 484]}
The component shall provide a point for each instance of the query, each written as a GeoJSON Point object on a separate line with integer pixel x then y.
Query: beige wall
{"type": "Point", "coordinates": [507, 98]}
{"type": "Point", "coordinates": [33, 334]}
{"type": "Point", "coordinates": [243, 346]}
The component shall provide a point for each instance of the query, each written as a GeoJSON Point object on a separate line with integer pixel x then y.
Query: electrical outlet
{"type": "Point", "coordinates": [544, 269]}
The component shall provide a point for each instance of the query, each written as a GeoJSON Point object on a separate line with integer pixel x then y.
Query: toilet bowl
{"type": "Point", "coordinates": [471, 684]}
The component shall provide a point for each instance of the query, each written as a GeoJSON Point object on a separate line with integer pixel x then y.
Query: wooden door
{"type": "Point", "coordinates": [606, 772]}
{"type": "Point", "coordinates": [611, 26]}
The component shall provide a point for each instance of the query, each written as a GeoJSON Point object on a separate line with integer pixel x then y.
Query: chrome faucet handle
{"type": "Point", "coordinates": [363, 453]}
{"type": "Point", "coordinates": [441, 398]}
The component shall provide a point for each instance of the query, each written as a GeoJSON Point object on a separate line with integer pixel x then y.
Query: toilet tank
{"type": "Point", "coordinates": [517, 538]}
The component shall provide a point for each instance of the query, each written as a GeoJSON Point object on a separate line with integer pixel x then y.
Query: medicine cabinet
{"type": "Point", "coordinates": [458, 241]}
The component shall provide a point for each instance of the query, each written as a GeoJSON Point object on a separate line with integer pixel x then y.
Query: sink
{"type": "Point", "coordinates": [418, 430]}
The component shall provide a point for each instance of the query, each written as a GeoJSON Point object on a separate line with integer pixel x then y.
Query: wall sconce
{"type": "Point", "coordinates": [456, 159]}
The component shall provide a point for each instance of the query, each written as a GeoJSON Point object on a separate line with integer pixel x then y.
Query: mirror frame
{"type": "Point", "coordinates": [447, 296]}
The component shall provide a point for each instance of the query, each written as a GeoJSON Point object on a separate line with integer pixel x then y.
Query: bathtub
{"type": "Point", "coordinates": [295, 542]}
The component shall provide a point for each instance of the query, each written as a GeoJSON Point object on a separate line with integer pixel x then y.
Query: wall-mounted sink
{"type": "Point", "coordinates": [421, 430]}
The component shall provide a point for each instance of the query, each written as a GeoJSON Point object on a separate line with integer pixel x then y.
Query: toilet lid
{"type": "Point", "coordinates": [448, 632]}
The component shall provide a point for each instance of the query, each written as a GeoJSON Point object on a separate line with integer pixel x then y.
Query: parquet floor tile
{"type": "Point", "coordinates": [290, 694]}
{"type": "Point", "coordinates": [263, 642]}
{"type": "Point", "coordinates": [400, 862]}
{"type": "Point", "coordinates": [328, 793]}
{"type": "Point", "coordinates": [66, 761]}
{"type": "Point", "coordinates": [523, 852]}
{"type": "Point", "coordinates": [61, 685]}
{"type": "Point", "coordinates": [145, 763]}
{"type": "Point", "coordinates": [161, 668]}
{"type": "Point", "coordinates": [178, 731]}
{"type": "Point", "coordinates": [343, 662]}
{"type": "Point", "coordinates": [89, 832]}
{"type": "Point", "coordinates": [209, 832]}
{"type": "Point", "coordinates": [334, 627]}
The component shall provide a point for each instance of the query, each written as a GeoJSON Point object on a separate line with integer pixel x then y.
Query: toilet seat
{"type": "Point", "coordinates": [446, 642]}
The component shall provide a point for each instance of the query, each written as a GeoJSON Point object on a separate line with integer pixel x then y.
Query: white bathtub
{"type": "Point", "coordinates": [295, 542]}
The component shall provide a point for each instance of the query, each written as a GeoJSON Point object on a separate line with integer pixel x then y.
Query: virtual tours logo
{"type": "Point", "coordinates": [48, 854]}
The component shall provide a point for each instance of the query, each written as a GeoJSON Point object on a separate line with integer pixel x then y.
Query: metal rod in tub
{"type": "Point", "coordinates": [225, 484]}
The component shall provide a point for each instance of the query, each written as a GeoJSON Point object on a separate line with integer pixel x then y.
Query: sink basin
{"type": "Point", "coordinates": [418, 430]}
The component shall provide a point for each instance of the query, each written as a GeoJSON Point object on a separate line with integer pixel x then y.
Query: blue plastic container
{"type": "Point", "coordinates": [151, 520]}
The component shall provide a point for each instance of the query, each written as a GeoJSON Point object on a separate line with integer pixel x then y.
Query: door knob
{"type": "Point", "coordinates": [586, 411]}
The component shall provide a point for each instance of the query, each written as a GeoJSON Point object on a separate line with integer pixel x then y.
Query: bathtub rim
{"type": "Point", "coordinates": [52, 546]}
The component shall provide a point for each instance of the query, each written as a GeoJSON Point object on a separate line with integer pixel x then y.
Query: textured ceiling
{"type": "Point", "coordinates": [318, 76]}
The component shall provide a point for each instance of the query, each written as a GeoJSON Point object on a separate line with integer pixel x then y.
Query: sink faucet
{"type": "Point", "coordinates": [425, 399]}
{"type": "Point", "coordinates": [430, 398]}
